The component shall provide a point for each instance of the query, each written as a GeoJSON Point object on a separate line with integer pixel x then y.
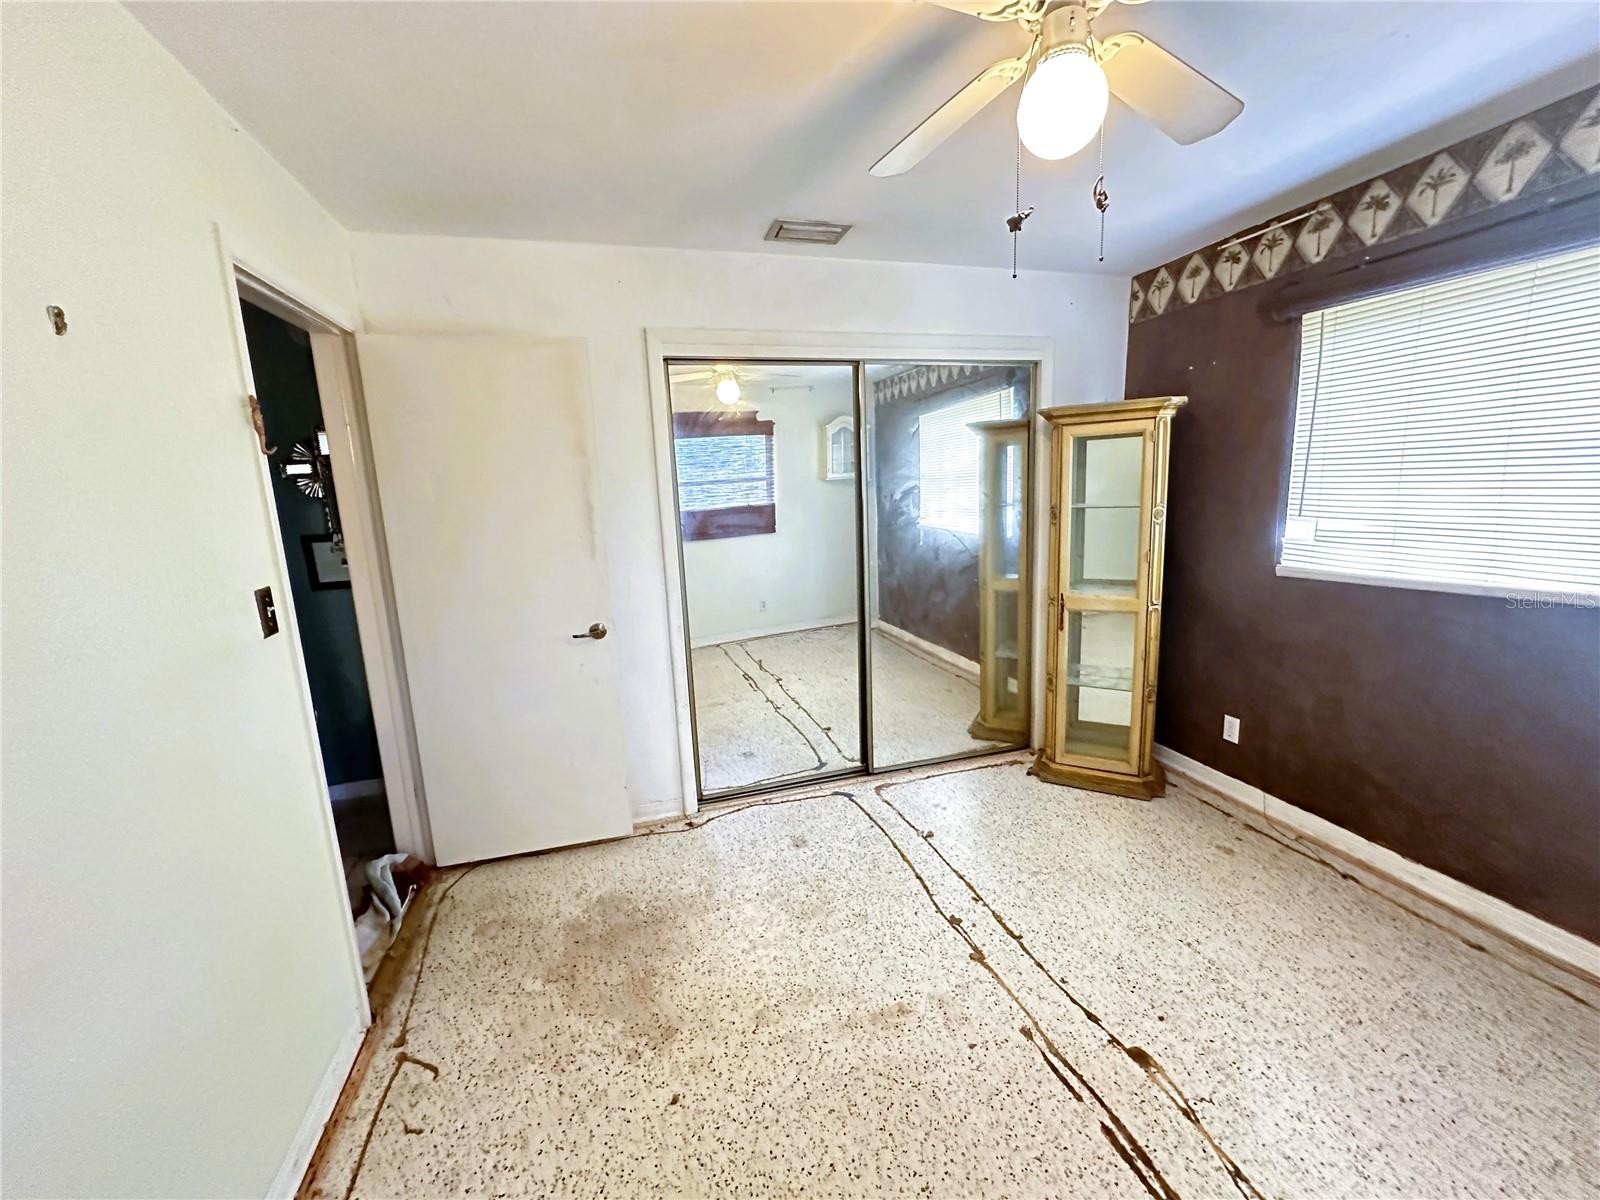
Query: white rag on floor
{"type": "Point", "coordinates": [379, 925]}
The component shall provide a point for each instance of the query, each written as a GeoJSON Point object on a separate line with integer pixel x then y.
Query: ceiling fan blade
{"type": "Point", "coordinates": [744, 374]}
{"type": "Point", "coordinates": [1165, 90]}
{"type": "Point", "coordinates": [995, 10]}
{"type": "Point", "coordinates": [951, 116]}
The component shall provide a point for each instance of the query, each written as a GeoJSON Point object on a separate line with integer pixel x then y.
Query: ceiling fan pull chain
{"type": "Point", "coordinates": [1015, 220]}
{"type": "Point", "coordinates": [1102, 199]}
{"type": "Point", "coordinates": [1017, 228]}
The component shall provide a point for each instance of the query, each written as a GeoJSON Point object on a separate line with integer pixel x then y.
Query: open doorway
{"type": "Point", "coordinates": [321, 612]}
{"type": "Point", "coordinates": [309, 524]}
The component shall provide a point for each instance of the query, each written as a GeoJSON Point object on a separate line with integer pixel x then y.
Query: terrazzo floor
{"type": "Point", "coordinates": [781, 707]}
{"type": "Point", "coordinates": [961, 982]}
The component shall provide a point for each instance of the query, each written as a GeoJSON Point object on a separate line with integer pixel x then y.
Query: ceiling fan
{"type": "Point", "coordinates": [728, 383]}
{"type": "Point", "coordinates": [1069, 73]}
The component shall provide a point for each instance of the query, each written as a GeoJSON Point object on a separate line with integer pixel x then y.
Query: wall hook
{"type": "Point", "coordinates": [260, 426]}
{"type": "Point", "coordinates": [58, 318]}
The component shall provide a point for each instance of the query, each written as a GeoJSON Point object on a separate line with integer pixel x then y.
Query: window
{"type": "Point", "coordinates": [948, 459]}
{"type": "Point", "coordinates": [725, 479]}
{"type": "Point", "coordinates": [724, 472]}
{"type": "Point", "coordinates": [1448, 436]}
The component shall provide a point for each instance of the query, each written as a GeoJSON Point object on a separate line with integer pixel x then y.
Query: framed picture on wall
{"type": "Point", "coordinates": [326, 564]}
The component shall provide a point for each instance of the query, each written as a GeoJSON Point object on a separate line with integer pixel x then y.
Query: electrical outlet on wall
{"type": "Point", "coordinates": [1230, 729]}
{"type": "Point", "coordinates": [763, 606]}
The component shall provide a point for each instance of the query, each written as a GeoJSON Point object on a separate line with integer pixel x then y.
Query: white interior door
{"type": "Point", "coordinates": [484, 455]}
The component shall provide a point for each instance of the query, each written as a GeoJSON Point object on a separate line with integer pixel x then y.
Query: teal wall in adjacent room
{"type": "Point", "coordinates": [286, 385]}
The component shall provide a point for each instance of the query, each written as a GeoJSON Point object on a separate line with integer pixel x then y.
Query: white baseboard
{"type": "Point", "coordinates": [287, 1181]}
{"type": "Point", "coordinates": [964, 667]}
{"type": "Point", "coordinates": [1559, 947]}
{"type": "Point", "coordinates": [762, 631]}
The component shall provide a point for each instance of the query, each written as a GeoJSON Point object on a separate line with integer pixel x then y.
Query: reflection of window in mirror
{"type": "Point", "coordinates": [839, 449]}
{"type": "Point", "coordinates": [948, 460]}
{"type": "Point", "coordinates": [725, 476]}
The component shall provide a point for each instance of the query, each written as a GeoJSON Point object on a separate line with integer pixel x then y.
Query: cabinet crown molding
{"type": "Point", "coordinates": [1152, 406]}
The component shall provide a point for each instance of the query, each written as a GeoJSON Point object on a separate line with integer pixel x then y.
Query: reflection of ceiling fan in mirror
{"type": "Point", "coordinates": [731, 384]}
{"type": "Point", "coordinates": [1069, 73]}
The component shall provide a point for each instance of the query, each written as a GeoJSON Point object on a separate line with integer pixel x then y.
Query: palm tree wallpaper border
{"type": "Point", "coordinates": [1542, 150]}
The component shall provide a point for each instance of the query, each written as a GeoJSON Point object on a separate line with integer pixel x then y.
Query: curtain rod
{"type": "Point", "coordinates": [1322, 206]}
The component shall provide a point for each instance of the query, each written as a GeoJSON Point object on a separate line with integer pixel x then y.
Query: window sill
{"type": "Point", "coordinates": [743, 520]}
{"type": "Point", "coordinates": [1527, 596]}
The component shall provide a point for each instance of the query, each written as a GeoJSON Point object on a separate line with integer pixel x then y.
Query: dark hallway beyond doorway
{"type": "Point", "coordinates": [286, 385]}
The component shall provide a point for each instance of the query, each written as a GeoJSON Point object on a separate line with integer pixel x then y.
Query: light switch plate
{"type": "Point", "coordinates": [1230, 729]}
{"type": "Point", "coordinates": [267, 611]}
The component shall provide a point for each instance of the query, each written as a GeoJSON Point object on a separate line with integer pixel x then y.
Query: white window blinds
{"type": "Point", "coordinates": [1448, 435]}
{"type": "Point", "coordinates": [724, 472]}
{"type": "Point", "coordinates": [948, 454]}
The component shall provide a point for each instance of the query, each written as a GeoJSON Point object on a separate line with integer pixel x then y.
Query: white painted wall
{"type": "Point", "coordinates": [176, 979]}
{"type": "Point", "coordinates": [610, 295]}
{"type": "Point", "coordinates": [805, 573]}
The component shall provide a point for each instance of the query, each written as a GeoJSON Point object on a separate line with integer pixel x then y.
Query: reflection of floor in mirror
{"type": "Point", "coordinates": [786, 706]}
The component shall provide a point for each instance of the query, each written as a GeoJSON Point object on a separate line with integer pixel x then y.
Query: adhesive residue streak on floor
{"type": "Point", "coordinates": [964, 983]}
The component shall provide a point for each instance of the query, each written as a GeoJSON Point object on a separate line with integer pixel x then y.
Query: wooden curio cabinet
{"type": "Point", "coordinates": [1004, 628]}
{"type": "Point", "coordinates": [1108, 510]}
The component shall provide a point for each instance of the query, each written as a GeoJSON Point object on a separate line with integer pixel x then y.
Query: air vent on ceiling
{"type": "Point", "coordinates": [819, 233]}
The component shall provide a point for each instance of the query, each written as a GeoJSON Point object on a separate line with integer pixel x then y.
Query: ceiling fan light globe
{"type": "Point", "coordinates": [728, 390]}
{"type": "Point", "coordinates": [1063, 103]}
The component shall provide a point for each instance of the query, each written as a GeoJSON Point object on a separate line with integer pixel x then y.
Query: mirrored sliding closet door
{"type": "Point", "coordinates": [947, 513]}
{"type": "Point", "coordinates": [855, 554]}
{"type": "Point", "coordinates": [764, 454]}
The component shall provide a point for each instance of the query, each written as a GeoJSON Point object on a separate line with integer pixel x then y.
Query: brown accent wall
{"type": "Point", "coordinates": [1457, 730]}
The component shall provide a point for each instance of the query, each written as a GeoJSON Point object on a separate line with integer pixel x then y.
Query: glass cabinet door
{"type": "Point", "coordinates": [1101, 610]}
{"type": "Point", "coordinates": [1107, 476]}
{"type": "Point", "coordinates": [1099, 649]}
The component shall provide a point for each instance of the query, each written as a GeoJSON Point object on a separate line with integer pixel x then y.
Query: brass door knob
{"type": "Point", "coordinates": [595, 631]}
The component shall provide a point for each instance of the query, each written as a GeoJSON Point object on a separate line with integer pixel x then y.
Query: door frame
{"type": "Point", "coordinates": [332, 329]}
{"type": "Point", "coordinates": [662, 344]}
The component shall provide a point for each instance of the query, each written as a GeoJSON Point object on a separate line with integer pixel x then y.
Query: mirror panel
{"type": "Point", "coordinates": [947, 591]}
{"type": "Point", "coordinates": [768, 524]}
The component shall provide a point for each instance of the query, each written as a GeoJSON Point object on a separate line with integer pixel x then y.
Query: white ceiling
{"type": "Point", "coordinates": [702, 375]}
{"type": "Point", "coordinates": [694, 124]}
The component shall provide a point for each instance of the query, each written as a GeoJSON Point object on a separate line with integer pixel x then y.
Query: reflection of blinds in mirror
{"type": "Point", "coordinates": [948, 459]}
{"type": "Point", "coordinates": [1449, 434]}
{"type": "Point", "coordinates": [724, 472]}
